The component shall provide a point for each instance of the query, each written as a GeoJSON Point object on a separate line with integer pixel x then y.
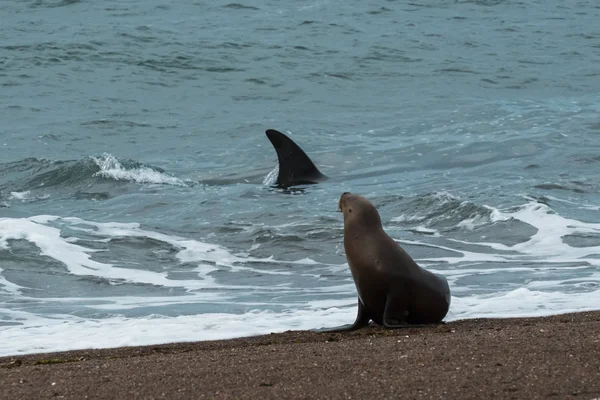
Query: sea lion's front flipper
{"type": "Point", "coordinates": [395, 312]}
{"type": "Point", "coordinates": [362, 320]}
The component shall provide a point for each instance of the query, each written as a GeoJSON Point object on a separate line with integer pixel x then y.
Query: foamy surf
{"type": "Point", "coordinates": [45, 232]}
{"type": "Point", "coordinates": [26, 196]}
{"type": "Point", "coordinates": [63, 332]}
{"type": "Point", "coordinates": [112, 168]}
{"type": "Point", "coordinates": [195, 283]}
{"type": "Point", "coordinates": [271, 177]}
{"type": "Point", "coordinates": [546, 245]}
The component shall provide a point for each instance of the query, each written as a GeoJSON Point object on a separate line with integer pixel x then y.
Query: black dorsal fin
{"type": "Point", "coordinates": [295, 168]}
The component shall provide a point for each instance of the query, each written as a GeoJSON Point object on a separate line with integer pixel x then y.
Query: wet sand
{"type": "Point", "coordinates": [553, 357]}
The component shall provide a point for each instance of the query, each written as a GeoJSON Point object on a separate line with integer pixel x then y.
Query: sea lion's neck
{"type": "Point", "coordinates": [358, 227]}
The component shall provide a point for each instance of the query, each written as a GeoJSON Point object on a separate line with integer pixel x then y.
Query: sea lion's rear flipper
{"type": "Point", "coordinates": [362, 320]}
{"type": "Point", "coordinates": [295, 167]}
{"type": "Point", "coordinates": [396, 315]}
{"type": "Point", "coordinates": [343, 328]}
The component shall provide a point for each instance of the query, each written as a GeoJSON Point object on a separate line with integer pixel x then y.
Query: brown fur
{"type": "Point", "coordinates": [392, 289]}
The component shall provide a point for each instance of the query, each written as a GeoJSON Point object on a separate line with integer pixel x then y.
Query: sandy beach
{"type": "Point", "coordinates": [518, 358]}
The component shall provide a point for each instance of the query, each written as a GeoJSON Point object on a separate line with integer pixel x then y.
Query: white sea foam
{"type": "Point", "coordinates": [111, 168]}
{"type": "Point", "coordinates": [78, 261]}
{"type": "Point", "coordinates": [39, 334]}
{"type": "Point", "coordinates": [26, 196]}
{"type": "Point", "coordinates": [546, 245]}
{"type": "Point", "coordinates": [271, 177]}
{"type": "Point", "coordinates": [472, 223]}
{"type": "Point", "coordinates": [522, 302]}
{"type": "Point", "coordinates": [77, 258]}
{"type": "Point", "coordinates": [559, 278]}
{"type": "Point", "coordinates": [74, 333]}
{"type": "Point", "coordinates": [20, 195]}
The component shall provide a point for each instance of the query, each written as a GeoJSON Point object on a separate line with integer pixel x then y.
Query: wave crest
{"type": "Point", "coordinates": [112, 168]}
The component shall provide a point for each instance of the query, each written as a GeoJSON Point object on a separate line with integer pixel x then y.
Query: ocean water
{"type": "Point", "coordinates": [136, 198]}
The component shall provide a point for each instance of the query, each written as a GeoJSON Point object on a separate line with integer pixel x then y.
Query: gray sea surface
{"type": "Point", "coordinates": [136, 196]}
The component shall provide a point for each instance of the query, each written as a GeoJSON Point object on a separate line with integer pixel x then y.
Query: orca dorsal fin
{"type": "Point", "coordinates": [295, 168]}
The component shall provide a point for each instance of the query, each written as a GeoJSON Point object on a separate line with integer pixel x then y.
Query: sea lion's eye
{"type": "Point", "coordinates": [349, 210]}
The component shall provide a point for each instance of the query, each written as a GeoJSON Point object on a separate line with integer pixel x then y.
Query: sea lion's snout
{"type": "Point", "coordinates": [342, 201]}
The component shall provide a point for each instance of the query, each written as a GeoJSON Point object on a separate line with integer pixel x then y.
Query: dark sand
{"type": "Point", "coordinates": [554, 357]}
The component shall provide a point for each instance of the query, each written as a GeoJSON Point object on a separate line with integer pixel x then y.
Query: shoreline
{"type": "Point", "coordinates": [556, 356]}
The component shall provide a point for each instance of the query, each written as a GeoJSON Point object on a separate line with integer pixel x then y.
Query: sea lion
{"type": "Point", "coordinates": [393, 290]}
{"type": "Point", "coordinates": [295, 167]}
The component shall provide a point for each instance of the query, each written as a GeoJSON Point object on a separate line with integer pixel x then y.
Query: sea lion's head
{"type": "Point", "coordinates": [358, 211]}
